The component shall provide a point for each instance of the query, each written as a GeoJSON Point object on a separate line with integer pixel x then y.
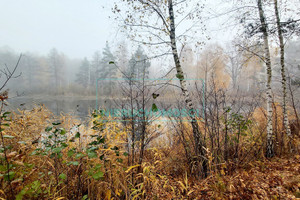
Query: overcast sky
{"type": "Point", "coordinates": [77, 28]}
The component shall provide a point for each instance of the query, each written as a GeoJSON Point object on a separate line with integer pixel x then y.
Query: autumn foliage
{"type": "Point", "coordinates": [56, 157]}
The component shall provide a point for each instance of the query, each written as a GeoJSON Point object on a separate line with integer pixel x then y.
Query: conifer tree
{"type": "Point", "coordinates": [83, 76]}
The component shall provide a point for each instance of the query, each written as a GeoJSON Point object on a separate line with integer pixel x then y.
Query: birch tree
{"type": "Point", "coordinates": [267, 60]}
{"type": "Point", "coordinates": [283, 75]}
{"type": "Point", "coordinates": [157, 19]}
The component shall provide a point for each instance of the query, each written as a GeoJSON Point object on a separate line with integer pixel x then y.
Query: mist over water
{"type": "Point", "coordinates": [75, 106]}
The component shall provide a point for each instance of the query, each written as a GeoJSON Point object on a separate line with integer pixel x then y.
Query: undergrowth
{"type": "Point", "coordinates": [48, 157]}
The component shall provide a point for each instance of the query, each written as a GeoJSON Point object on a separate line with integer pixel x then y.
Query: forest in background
{"type": "Point", "coordinates": [234, 68]}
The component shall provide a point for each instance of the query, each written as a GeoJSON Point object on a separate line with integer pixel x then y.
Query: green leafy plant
{"type": "Point", "coordinates": [6, 168]}
{"type": "Point", "coordinates": [237, 125]}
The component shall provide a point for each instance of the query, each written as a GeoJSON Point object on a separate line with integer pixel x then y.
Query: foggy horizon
{"type": "Point", "coordinates": [38, 26]}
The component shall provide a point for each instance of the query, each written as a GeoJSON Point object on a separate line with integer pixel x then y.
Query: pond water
{"type": "Point", "coordinates": [80, 107]}
{"type": "Point", "coordinates": [76, 106]}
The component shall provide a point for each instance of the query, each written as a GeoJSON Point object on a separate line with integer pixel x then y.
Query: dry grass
{"type": "Point", "coordinates": [77, 172]}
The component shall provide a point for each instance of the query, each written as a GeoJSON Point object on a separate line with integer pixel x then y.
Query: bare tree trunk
{"type": "Point", "coordinates": [283, 76]}
{"type": "Point", "coordinates": [143, 132]}
{"type": "Point", "coordinates": [199, 142]}
{"type": "Point", "coordinates": [132, 125]}
{"type": "Point", "coordinates": [264, 28]}
{"type": "Point", "coordinates": [293, 103]}
{"type": "Point", "coordinates": [226, 139]}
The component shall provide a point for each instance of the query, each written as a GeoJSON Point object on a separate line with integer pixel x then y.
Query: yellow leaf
{"type": "Point", "coordinates": [222, 172]}
{"type": "Point", "coordinates": [60, 198]}
{"type": "Point", "coordinates": [118, 192]}
{"type": "Point", "coordinates": [130, 168]}
{"type": "Point", "coordinates": [190, 192]}
{"type": "Point", "coordinates": [108, 194]}
{"type": "Point", "coordinates": [182, 185]}
{"type": "Point", "coordinates": [136, 196]}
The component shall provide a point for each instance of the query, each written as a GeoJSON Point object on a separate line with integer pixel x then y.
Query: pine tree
{"type": "Point", "coordinates": [122, 59]}
{"type": "Point", "coordinates": [83, 76]}
{"type": "Point", "coordinates": [107, 70]}
{"type": "Point", "coordinates": [95, 68]}
{"type": "Point", "coordinates": [139, 65]}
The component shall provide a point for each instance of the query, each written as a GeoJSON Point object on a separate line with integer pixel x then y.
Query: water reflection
{"type": "Point", "coordinates": [75, 106]}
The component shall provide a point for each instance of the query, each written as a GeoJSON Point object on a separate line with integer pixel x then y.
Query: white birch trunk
{"type": "Point", "coordinates": [283, 76]}
{"type": "Point", "coordinates": [267, 58]}
{"type": "Point", "coordinates": [199, 141]}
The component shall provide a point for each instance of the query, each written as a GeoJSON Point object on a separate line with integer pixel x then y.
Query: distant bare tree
{"type": "Point", "coordinates": [234, 66]}
{"type": "Point", "coordinates": [56, 68]}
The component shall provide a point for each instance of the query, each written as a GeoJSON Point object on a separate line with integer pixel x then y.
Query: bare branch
{"type": "Point", "coordinates": [9, 74]}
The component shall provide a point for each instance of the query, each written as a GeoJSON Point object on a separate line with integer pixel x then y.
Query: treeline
{"type": "Point", "coordinates": [56, 74]}
{"type": "Point", "coordinates": [38, 74]}
{"type": "Point", "coordinates": [108, 69]}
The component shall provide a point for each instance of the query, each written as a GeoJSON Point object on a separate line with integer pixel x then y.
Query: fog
{"type": "Point", "coordinates": [67, 45]}
{"type": "Point", "coordinates": [149, 99]}
{"type": "Point", "coordinates": [75, 27]}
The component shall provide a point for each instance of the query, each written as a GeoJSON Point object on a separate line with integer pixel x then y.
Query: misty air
{"type": "Point", "coordinates": [143, 99]}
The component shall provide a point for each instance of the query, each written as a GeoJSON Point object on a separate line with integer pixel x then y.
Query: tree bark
{"type": "Point", "coordinates": [199, 142]}
{"type": "Point", "coordinates": [264, 29]}
{"type": "Point", "coordinates": [226, 139]}
{"type": "Point", "coordinates": [283, 75]}
{"type": "Point", "coordinates": [143, 127]}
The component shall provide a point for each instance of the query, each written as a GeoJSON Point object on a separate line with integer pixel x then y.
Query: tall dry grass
{"type": "Point", "coordinates": [60, 157]}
